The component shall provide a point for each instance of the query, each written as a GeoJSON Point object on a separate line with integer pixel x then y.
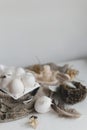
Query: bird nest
{"type": "Point", "coordinates": [11, 109]}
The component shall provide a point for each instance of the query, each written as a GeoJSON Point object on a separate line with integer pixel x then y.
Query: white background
{"type": "Point", "coordinates": [48, 30]}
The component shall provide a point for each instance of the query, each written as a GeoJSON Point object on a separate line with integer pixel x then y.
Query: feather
{"type": "Point", "coordinates": [68, 113]}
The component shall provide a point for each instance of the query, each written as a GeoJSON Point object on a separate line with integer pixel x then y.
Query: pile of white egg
{"type": "Point", "coordinates": [16, 81]}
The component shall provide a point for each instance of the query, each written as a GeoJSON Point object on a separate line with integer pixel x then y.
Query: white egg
{"type": "Point", "coordinates": [9, 71]}
{"type": "Point", "coordinates": [16, 88]}
{"type": "Point", "coordinates": [20, 71]}
{"type": "Point", "coordinates": [43, 104]}
{"type": "Point", "coordinates": [5, 82]}
{"type": "Point", "coordinates": [2, 67]}
{"type": "Point", "coordinates": [28, 80]}
{"type": "Point", "coordinates": [6, 77]}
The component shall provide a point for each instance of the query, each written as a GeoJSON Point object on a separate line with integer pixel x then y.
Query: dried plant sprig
{"type": "Point", "coordinates": [33, 121]}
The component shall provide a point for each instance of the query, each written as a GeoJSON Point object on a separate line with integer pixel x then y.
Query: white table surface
{"type": "Point", "coordinates": [51, 121]}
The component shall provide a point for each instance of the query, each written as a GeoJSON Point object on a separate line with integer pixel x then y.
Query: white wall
{"type": "Point", "coordinates": [52, 30]}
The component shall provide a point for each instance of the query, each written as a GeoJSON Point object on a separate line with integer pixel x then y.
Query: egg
{"type": "Point", "coordinates": [20, 71]}
{"type": "Point", "coordinates": [6, 77]}
{"type": "Point", "coordinates": [28, 80]}
{"type": "Point", "coordinates": [2, 67]}
{"type": "Point", "coordinates": [16, 88]}
{"type": "Point", "coordinates": [5, 82]}
{"type": "Point", "coordinates": [43, 104]}
{"type": "Point", "coordinates": [9, 71]}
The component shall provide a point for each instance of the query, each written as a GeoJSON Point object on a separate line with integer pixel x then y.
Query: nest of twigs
{"type": "Point", "coordinates": [11, 109]}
